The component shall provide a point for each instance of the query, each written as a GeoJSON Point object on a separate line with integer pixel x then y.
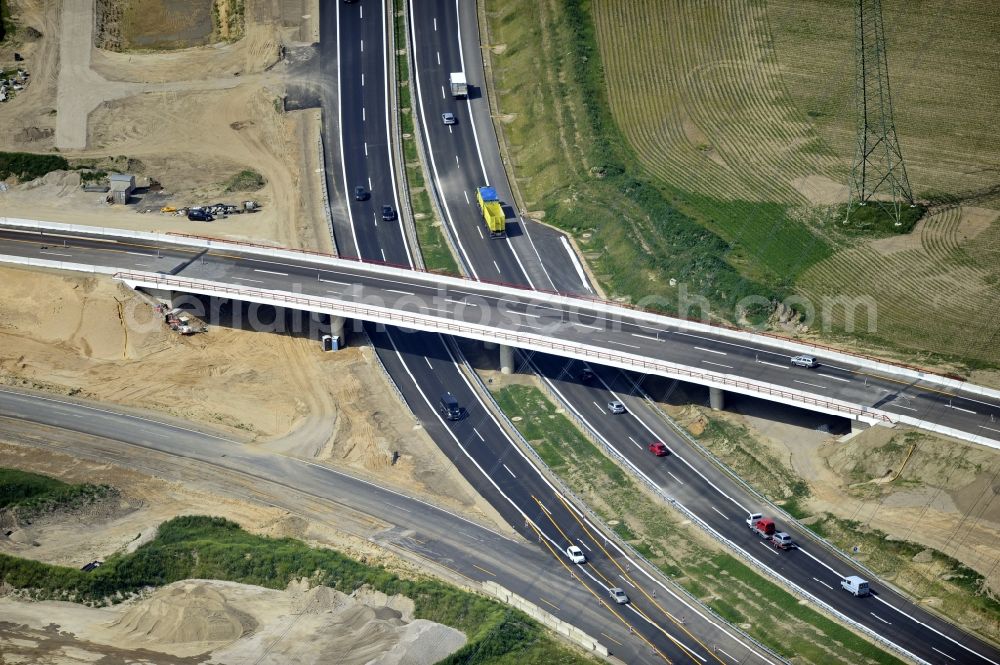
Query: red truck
{"type": "Point", "coordinates": [765, 528]}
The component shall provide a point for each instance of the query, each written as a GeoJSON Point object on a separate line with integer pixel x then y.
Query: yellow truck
{"type": "Point", "coordinates": [492, 212]}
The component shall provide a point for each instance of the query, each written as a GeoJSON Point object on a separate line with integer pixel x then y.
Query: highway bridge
{"type": "Point", "coordinates": [585, 329]}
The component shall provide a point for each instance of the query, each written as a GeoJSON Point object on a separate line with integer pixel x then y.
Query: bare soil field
{"type": "Point", "coordinates": [336, 408]}
{"type": "Point", "coordinates": [745, 111]}
{"type": "Point", "coordinates": [188, 118]}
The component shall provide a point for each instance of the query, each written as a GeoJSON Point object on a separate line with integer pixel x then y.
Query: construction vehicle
{"type": "Point", "coordinates": [492, 212]}
{"type": "Point", "coordinates": [459, 86]}
{"type": "Point", "coordinates": [765, 528]}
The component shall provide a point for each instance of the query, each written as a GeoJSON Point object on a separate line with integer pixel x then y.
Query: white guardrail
{"type": "Point", "coordinates": [631, 361]}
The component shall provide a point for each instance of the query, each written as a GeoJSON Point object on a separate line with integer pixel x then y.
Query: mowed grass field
{"type": "Point", "coordinates": [737, 104]}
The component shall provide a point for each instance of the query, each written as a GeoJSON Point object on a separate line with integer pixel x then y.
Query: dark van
{"type": "Point", "coordinates": [449, 407]}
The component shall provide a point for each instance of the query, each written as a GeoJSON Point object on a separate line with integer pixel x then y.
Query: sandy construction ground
{"type": "Point", "coordinates": [270, 389]}
{"type": "Point", "coordinates": [233, 623]}
{"type": "Point", "coordinates": [190, 119]}
{"type": "Point", "coordinates": [946, 499]}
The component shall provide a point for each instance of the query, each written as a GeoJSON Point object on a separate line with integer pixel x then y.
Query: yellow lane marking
{"type": "Point", "coordinates": [548, 603]}
{"type": "Point", "coordinates": [628, 577]}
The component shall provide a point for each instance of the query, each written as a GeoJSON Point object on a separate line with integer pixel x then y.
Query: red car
{"type": "Point", "coordinates": [658, 449]}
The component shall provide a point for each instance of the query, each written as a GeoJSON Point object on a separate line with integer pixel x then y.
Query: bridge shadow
{"type": "Point", "coordinates": [252, 317]}
{"type": "Point", "coordinates": [678, 393]}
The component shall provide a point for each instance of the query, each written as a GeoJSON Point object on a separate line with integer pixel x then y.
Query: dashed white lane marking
{"type": "Point", "coordinates": [509, 471]}
{"type": "Point", "coordinates": [823, 583]}
{"type": "Point", "coordinates": [942, 653]}
{"type": "Point", "coordinates": [721, 353]}
{"type": "Point", "coordinates": [247, 279]}
{"type": "Point", "coordinates": [764, 362]}
{"type": "Point", "coordinates": [835, 378]}
{"type": "Point", "coordinates": [881, 619]}
{"type": "Point", "coordinates": [720, 512]}
{"type": "Point", "coordinates": [814, 385]}
{"type": "Point", "coordinates": [631, 346]}
{"type": "Point", "coordinates": [958, 408]}
{"type": "Point", "coordinates": [709, 362]}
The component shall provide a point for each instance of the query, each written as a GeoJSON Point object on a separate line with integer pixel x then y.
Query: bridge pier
{"type": "Point", "coordinates": [337, 328]}
{"type": "Point", "coordinates": [716, 398]}
{"type": "Point", "coordinates": [506, 359]}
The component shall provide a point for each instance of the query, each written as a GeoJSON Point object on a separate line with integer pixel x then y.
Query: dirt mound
{"type": "Point", "coordinates": [184, 613]}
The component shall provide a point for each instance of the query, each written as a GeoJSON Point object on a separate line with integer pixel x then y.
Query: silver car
{"type": "Point", "coordinates": [618, 595]}
{"type": "Point", "coordinates": [448, 118]}
{"type": "Point", "coordinates": [614, 406]}
{"type": "Point", "coordinates": [804, 361]}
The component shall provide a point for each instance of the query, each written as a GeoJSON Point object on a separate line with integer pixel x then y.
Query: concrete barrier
{"type": "Point", "coordinates": [554, 623]}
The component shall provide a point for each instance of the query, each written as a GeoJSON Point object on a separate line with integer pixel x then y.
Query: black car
{"type": "Point", "coordinates": [388, 214]}
{"type": "Point", "coordinates": [587, 375]}
{"type": "Point", "coordinates": [199, 216]}
{"type": "Point", "coordinates": [360, 193]}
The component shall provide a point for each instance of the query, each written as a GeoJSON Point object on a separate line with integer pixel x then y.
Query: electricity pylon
{"type": "Point", "coordinates": [878, 174]}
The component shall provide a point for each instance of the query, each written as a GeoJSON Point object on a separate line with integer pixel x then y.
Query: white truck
{"type": "Point", "coordinates": [459, 86]}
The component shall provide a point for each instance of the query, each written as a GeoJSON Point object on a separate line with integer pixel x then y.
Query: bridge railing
{"type": "Point", "coordinates": [533, 341]}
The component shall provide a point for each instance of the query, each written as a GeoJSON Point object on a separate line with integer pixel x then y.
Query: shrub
{"type": "Point", "coordinates": [28, 166]}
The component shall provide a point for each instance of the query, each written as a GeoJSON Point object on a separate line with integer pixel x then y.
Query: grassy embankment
{"type": "Point", "coordinates": [214, 548]}
{"type": "Point", "coordinates": [925, 574]}
{"type": "Point", "coordinates": [728, 586]}
{"type": "Point", "coordinates": [576, 168]}
{"type": "Point", "coordinates": [27, 495]}
{"type": "Point", "coordinates": [437, 255]}
{"type": "Point", "coordinates": [711, 149]}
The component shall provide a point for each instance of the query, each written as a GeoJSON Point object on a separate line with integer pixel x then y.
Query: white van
{"type": "Point", "coordinates": [855, 585]}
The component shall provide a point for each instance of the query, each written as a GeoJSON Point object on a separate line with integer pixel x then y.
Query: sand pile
{"type": "Point", "coordinates": [184, 613]}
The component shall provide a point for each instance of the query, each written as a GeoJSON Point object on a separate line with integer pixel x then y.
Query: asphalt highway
{"type": "Point", "coordinates": [353, 37]}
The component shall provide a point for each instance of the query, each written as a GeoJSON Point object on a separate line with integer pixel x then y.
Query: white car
{"type": "Point", "coordinates": [614, 406]}
{"type": "Point", "coordinates": [804, 361]}
{"type": "Point", "coordinates": [575, 554]}
{"type": "Point", "coordinates": [448, 118]}
{"type": "Point", "coordinates": [618, 595]}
